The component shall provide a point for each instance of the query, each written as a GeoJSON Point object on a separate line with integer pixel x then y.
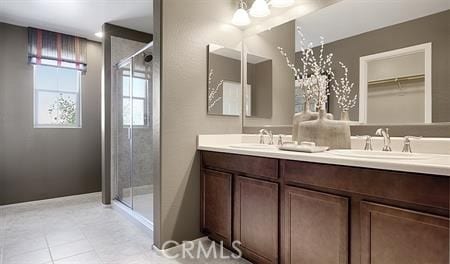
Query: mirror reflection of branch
{"type": "Point", "coordinates": [63, 110]}
{"type": "Point", "coordinates": [213, 92]}
{"type": "Point", "coordinates": [343, 90]}
{"type": "Point", "coordinates": [316, 74]}
{"type": "Point", "coordinates": [322, 75]}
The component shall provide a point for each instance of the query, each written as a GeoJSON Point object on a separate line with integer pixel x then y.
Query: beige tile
{"type": "Point", "coordinates": [24, 246]}
{"type": "Point", "coordinates": [55, 238]}
{"type": "Point", "coordinates": [119, 251]}
{"type": "Point", "coordinates": [70, 249]}
{"type": "Point", "coordinates": [84, 258]}
{"type": "Point", "coordinates": [35, 257]}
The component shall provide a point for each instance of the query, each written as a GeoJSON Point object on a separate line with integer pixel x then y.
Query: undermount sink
{"type": "Point", "coordinates": [254, 146]}
{"type": "Point", "coordinates": [354, 153]}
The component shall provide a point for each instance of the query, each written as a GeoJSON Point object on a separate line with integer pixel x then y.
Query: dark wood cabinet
{"type": "Point", "coordinates": [316, 227]}
{"type": "Point", "coordinates": [256, 219]}
{"type": "Point", "coordinates": [217, 205]}
{"type": "Point", "coordinates": [392, 235]}
{"type": "Point", "coordinates": [297, 212]}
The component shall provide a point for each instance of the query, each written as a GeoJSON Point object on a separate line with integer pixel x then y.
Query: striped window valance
{"type": "Point", "coordinates": [56, 49]}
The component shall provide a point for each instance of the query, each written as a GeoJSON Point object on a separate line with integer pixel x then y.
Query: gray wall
{"type": "Point", "coordinates": [186, 31]}
{"type": "Point", "coordinates": [40, 163]}
{"type": "Point", "coordinates": [265, 45]}
{"type": "Point", "coordinates": [434, 28]}
{"type": "Point", "coordinates": [259, 76]}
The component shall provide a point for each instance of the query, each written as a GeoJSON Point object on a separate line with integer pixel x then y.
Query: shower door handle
{"type": "Point", "coordinates": [129, 133]}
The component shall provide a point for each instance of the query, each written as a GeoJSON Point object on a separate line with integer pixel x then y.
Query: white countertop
{"type": "Point", "coordinates": [439, 164]}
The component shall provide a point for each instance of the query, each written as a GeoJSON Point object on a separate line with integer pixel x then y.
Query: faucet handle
{"type": "Point", "coordinates": [379, 132]}
{"type": "Point", "coordinates": [407, 143]}
{"type": "Point", "coordinates": [280, 140]}
{"type": "Point", "coordinates": [368, 143]}
{"type": "Point", "coordinates": [261, 136]}
{"type": "Point", "coordinates": [270, 137]}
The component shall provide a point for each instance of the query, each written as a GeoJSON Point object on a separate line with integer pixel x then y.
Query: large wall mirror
{"type": "Point", "coordinates": [397, 54]}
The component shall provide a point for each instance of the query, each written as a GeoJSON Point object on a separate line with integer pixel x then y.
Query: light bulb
{"type": "Point", "coordinates": [282, 3]}
{"type": "Point", "coordinates": [260, 8]}
{"type": "Point", "coordinates": [99, 34]}
{"type": "Point", "coordinates": [240, 17]}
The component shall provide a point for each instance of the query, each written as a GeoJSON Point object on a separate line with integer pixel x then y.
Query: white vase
{"type": "Point", "coordinates": [325, 132]}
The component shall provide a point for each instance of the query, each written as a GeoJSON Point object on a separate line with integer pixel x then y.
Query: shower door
{"type": "Point", "coordinates": [142, 137]}
{"type": "Point", "coordinates": [134, 135]}
{"type": "Point", "coordinates": [124, 135]}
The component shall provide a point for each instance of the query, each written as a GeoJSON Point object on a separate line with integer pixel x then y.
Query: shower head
{"type": "Point", "coordinates": [148, 58]}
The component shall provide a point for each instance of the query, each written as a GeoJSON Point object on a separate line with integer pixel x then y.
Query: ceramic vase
{"type": "Point", "coordinates": [305, 115]}
{"type": "Point", "coordinates": [345, 116]}
{"type": "Point", "coordinates": [325, 132]}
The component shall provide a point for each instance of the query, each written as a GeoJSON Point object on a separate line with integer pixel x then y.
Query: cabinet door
{"type": "Point", "coordinates": [216, 205]}
{"type": "Point", "coordinates": [391, 235]}
{"type": "Point", "coordinates": [256, 219]}
{"type": "Point", "coordinates": [316, 227]}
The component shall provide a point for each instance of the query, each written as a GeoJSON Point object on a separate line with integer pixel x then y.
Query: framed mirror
{"type": "Point", "coordinates": [224, 90]}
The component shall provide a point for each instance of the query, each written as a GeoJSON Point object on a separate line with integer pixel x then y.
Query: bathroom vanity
{"type": "Point", "coordinates": [287, 207]}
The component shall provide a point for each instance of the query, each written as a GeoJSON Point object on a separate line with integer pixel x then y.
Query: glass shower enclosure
{"type": "Point", "coordinates": [133, 135]}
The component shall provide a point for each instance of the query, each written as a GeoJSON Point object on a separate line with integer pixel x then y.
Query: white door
{"type": "Point", "coordinates": [231, 98]}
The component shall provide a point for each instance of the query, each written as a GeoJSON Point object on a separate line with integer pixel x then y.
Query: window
{"type": "Point", "coordinates": [140, 102]}
{"type": "Point", "coordinates": [57, 97]}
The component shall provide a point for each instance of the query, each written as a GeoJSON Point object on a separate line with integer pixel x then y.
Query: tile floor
{"type": "Point", "coordinates": [76, 230]}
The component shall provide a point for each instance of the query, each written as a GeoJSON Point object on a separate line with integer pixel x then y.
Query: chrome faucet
{"type": "Point", "coordinates": [387, 138]}
{"type": "Point", "coordinates": [368, 144]}
{"type": "Point", "coordinates": [407, 143]}
{"type": "Point", "coordinates": [263, 132]}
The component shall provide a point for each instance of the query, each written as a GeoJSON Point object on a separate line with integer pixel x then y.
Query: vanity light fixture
{"type": "Point", "coordinates": [260, 8]}
{"type": "Point", "coordinates": [281, 3]}
{"type": "Point", "coordinates": [99, 34]}
{"type": "Point", "coordinates": [240, 17]}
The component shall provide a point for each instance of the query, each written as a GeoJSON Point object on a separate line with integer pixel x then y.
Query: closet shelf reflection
{"type": "Point", "coordinates": [399, 79]}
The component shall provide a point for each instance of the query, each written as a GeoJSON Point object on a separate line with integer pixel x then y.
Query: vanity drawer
{"type": "Point", "coordinates": [244, 165]}
{"type": "Point", "coordinates": [414, 188]}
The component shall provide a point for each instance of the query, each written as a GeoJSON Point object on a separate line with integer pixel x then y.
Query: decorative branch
{"type": "Point", "coordinates": [301, 74]}
{"type": "Point", "coordinates": [316, 74]}
{"type": "Point", "coordinates": [343, 90]}
{"type": "Point", "coordinates": [322, 75]}
{"type": "Point", "coordinates": [213, 92]}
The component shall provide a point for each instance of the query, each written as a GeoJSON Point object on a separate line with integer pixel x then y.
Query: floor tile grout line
{"type": "Point", "coordinates": [78, 254]}
{"type": "Point", "coordinates": [1, 255]}
{"type": "Point", "coordinates": [48, 248]}
{"type": "Point", "coordinates": [92, 246]}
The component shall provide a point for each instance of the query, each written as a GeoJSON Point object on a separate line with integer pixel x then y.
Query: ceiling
{"type": "Point", "coordinates": [78, 17]}
{"type": "Point", "coordinates": [352, 17]}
